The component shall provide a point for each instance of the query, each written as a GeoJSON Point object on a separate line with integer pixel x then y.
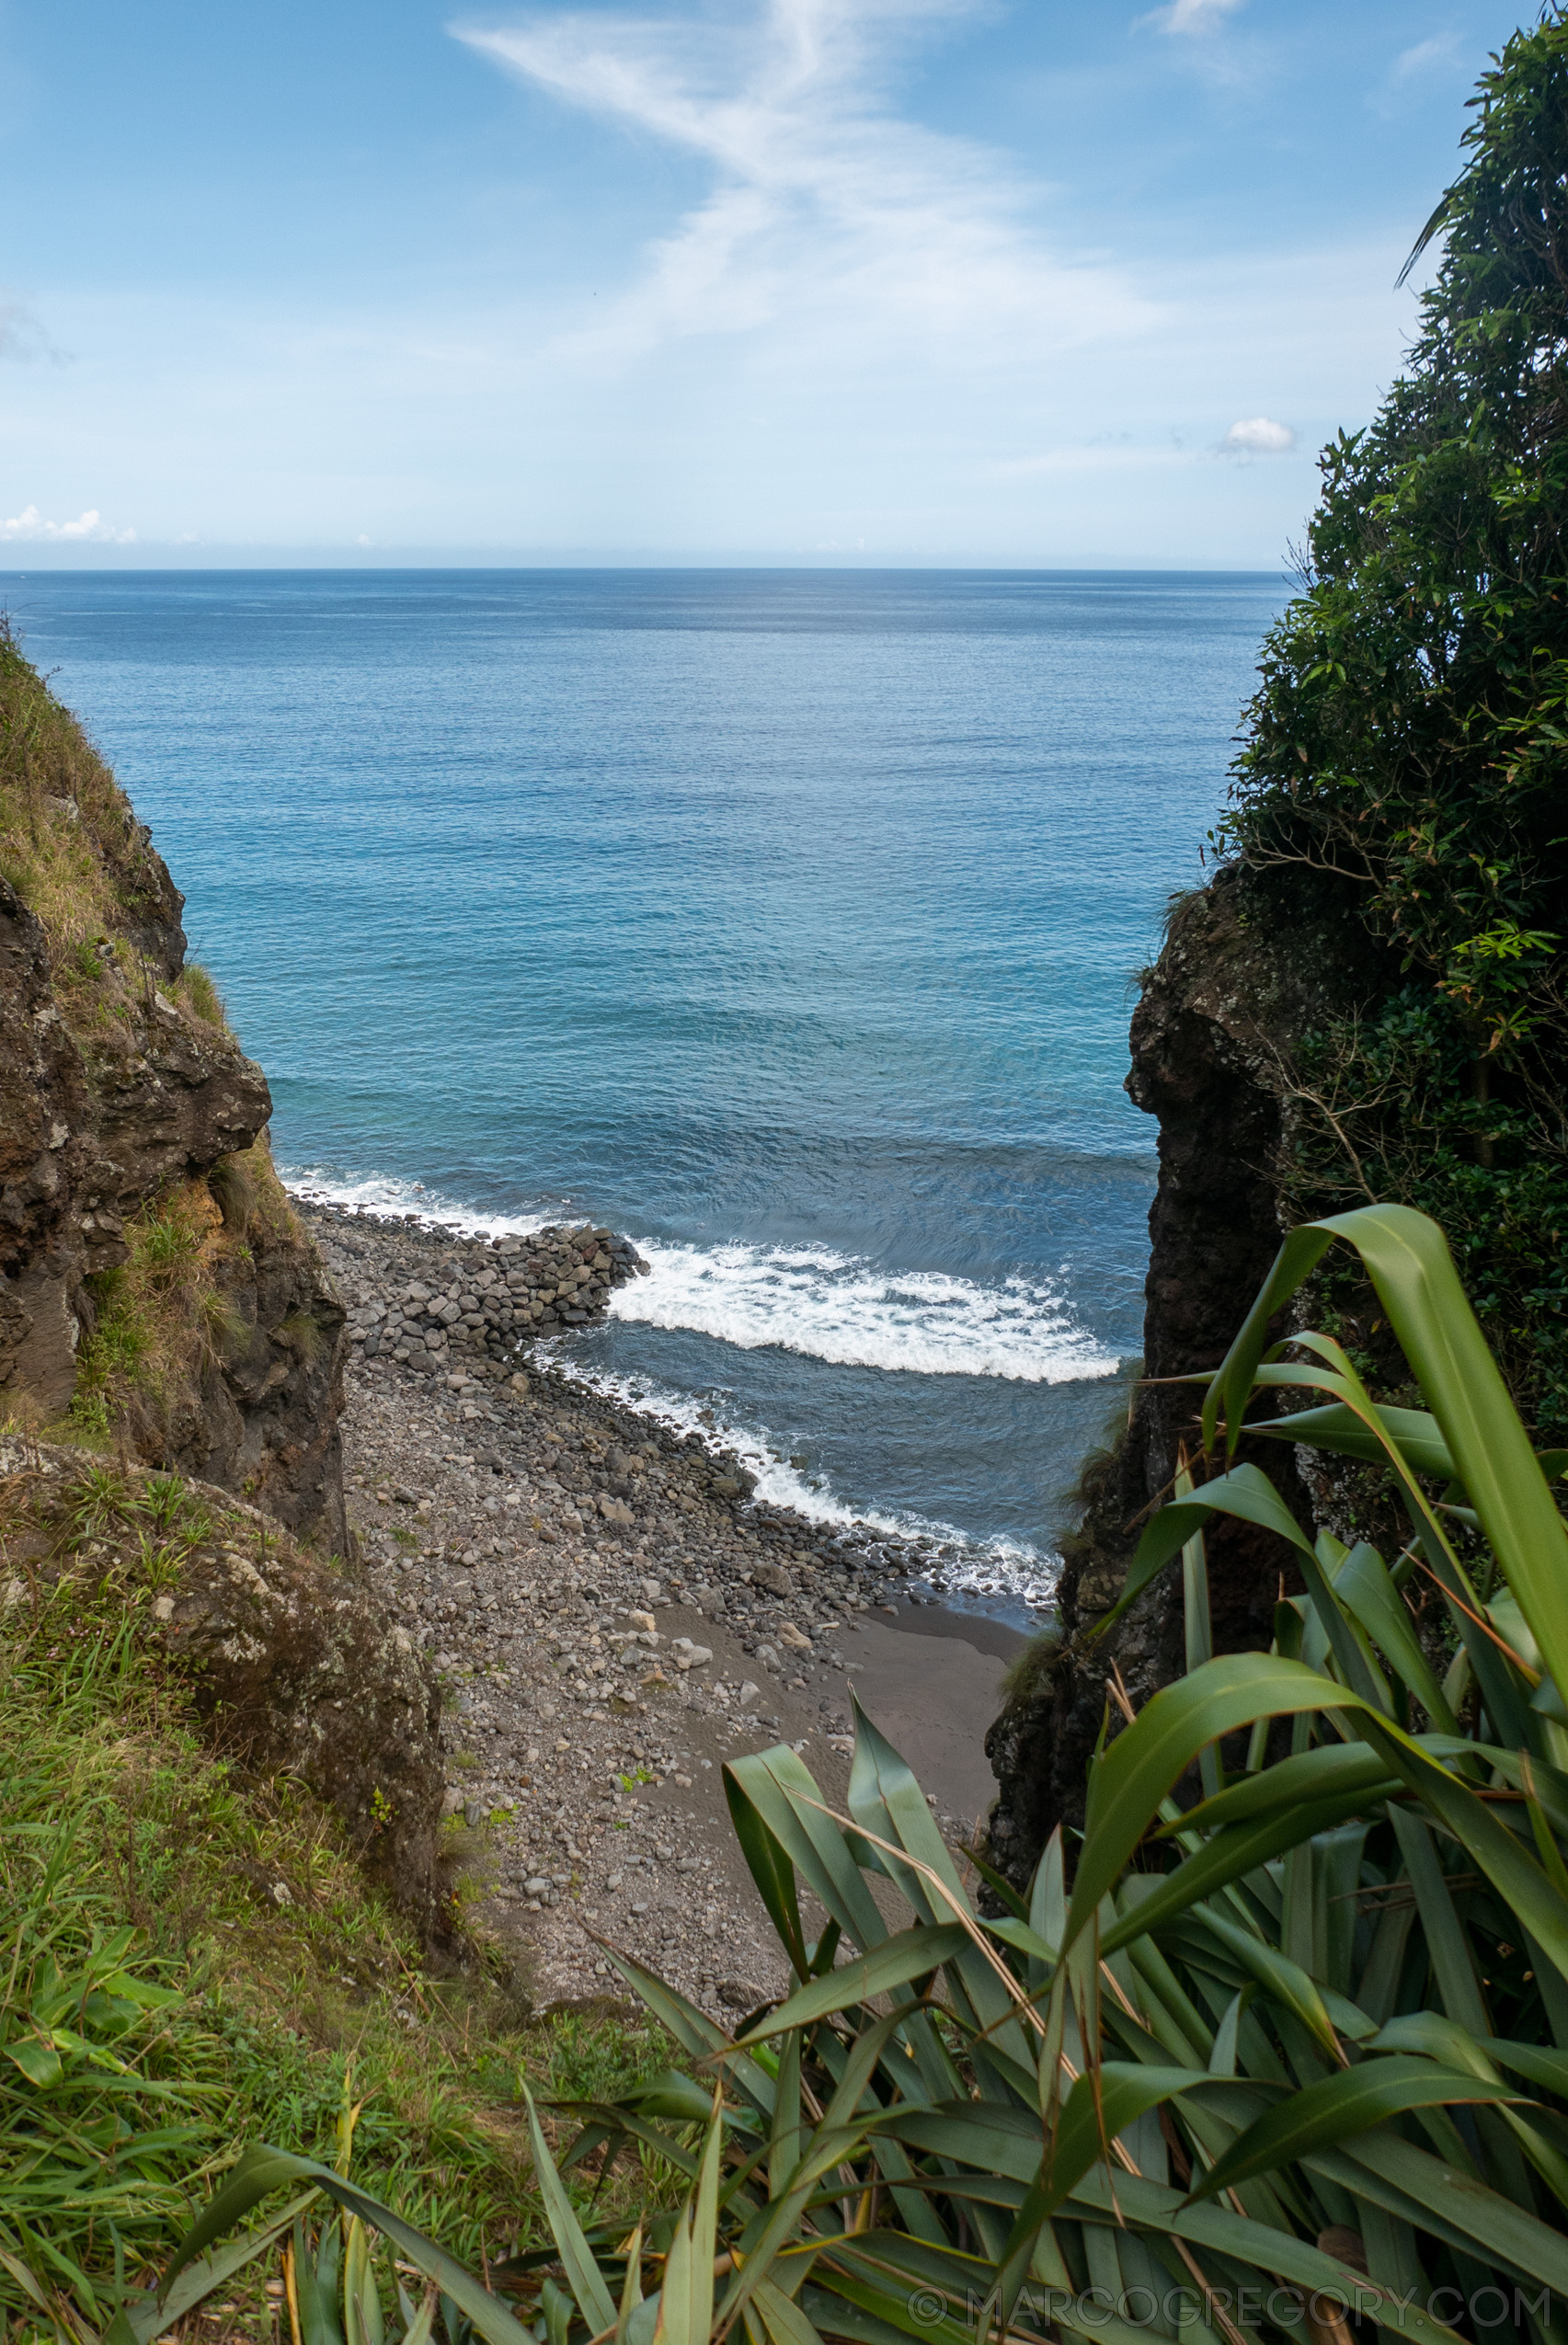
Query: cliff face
{"type": "Point", "coordinates": [1246, 969]}
{"type": "Point", "coordinates": [154, 1287]}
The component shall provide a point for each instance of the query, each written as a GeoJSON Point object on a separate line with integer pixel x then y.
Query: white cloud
{"type": "Point", "coordinates": [857, 238]}
{"type": "Point", "coordinates": [1258, 436]}
{"type": "Point", "coordinates": [89, 528]}
{"type": "Point", "coordinates": [1195, 17]}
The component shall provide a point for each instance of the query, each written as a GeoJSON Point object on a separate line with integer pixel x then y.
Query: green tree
{"type": "Point", "coordinates": [1409, 738]}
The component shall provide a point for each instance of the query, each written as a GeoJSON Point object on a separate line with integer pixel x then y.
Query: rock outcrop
{"type": "Point", "coordinates": [481, 1301]}
{"type": "Point", "coordinates": [152, 1279]}
{"type": "Point", "coordinates": [293, 1666]}
{"type": "Point", "coordinates": [1248, 968]}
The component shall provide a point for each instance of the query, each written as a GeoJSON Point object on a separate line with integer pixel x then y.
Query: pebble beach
{"type": "Point", "coordinates": [614, 1615]}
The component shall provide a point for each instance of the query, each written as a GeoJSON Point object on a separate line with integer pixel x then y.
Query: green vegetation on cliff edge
{"type": "Point", "coordinates": [191, 1956]}
{"type": "Point", "coordinates": [1410, 737]}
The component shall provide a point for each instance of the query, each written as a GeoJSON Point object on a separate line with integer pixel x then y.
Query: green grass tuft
{"type": "Point", "coordinates": [138, 1897]}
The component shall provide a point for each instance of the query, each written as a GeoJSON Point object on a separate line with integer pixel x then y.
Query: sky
{"type": "Point", "coordinates": [1036, 283]}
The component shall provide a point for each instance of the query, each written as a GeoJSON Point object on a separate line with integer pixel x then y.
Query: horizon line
{"type": "Point", "coordinates": [433, 562]}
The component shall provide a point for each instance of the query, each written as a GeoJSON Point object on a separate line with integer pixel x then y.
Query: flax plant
{"type": "Point", "coordinates": [1281, 2046]}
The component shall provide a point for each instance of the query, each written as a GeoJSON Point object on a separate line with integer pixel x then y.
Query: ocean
{"type": "Point", "coordinates": [787, 920]}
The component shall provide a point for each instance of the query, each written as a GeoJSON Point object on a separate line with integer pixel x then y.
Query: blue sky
{"type": "Point", "coordinates": [1032, 282]}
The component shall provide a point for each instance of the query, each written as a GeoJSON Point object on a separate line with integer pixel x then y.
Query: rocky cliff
{"type": "Point", "coordinates": [155, 1288]}
{"type": "Point", "coordinates": [296, 1671]}
{"type": "Point", "coordinates": [1250, 966]}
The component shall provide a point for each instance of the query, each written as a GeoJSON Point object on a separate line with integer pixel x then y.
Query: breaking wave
{"type": "Point", "coordinates": [842, 1309]}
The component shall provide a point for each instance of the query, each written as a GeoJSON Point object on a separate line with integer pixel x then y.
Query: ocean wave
{"type": "Point", "coordinates": [818, 1303]}
{"type": "Point", "coordinates": [842, 1308]}
{"type": "Point", "coordinates": [941, 1554]}
{"type": "Point", "coordinates": [380, 1193]}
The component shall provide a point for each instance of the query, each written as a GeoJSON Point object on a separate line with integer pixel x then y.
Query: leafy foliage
{"type": "Point", "coordinates": [1409, 737]}
{"type": "Point", "coordinates": [1292, 2050]}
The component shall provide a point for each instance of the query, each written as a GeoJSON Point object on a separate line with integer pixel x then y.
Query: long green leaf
{"type": "Point", "coordinates": [1128, 1782]}
{"type": "Point", "coordinates": [148, 2313]}
{"type": "Point", "coordinates": [1244, 1493]}
{"type": "Point", "coordinates": [781, 2318]}
{"type": "Point", "coordinates": [1143, 1764]}
{"type": "Point", "coordinates": [1255, 2247]}
{"type": "Point", "coordinates": [1341, 1430]}
{"type": "Point", "coordinates": [1229, 1856]}
{"type": "Point", "coordinates": [1363, 1586]}
{"type": "Point", "coordinates": [594, 2300]}
{"type": "Point", "coordinates": [686, 2299]}
{"type": "Point", "coordinates": [695, 2032]}
{"type": "Point", "coordinates": [1408, 1261]}
{"type": "Point", "coordinates": [1352, 2102]}
{"type": "Point", "coordinates": [1326, 1774]}
{"type": "Point", "coordinates": [886, 1800]}
{"type": "Point", "coordinates": [1445, 2199]}
{"type": "Point", "coordinates": [769, 1865]}
{"type": "Point", "coordinates": [780, 1789]}
{"type": "Point", "coordinates": [1517, 1875]}
{"type": "Point", "coordinates": [264, 2169]}
{"type": "Point", "coordinates": [1098, 2108]}
{"type": "Point", "coordinates": [1283, 1980]}
{"type": "Point", "coordinates": [892, 1964]}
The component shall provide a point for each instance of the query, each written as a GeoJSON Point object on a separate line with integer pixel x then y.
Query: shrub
{"type": "Point", "coordinates": [1297, 2045]}
{"type": "Point", "coordinates": [69, 843]}
{"type": "Point", "coordinates": [156, 1316]}
{"type": "Point", "coordinates": [305, 1335]}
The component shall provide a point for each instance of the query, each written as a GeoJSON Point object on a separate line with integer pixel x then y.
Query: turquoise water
{"type": "Point", "coordinates": [786, 920]}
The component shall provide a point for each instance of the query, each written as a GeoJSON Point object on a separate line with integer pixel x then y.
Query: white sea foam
{"type": "Point", "coordinates": [945, 1556]}
{"type": "Point", "coordinates": [818, 1303]}
{"type": "Point", "coordinates": [381, 1194]}
{"type": "Point", "coordinates": [842, 1309]}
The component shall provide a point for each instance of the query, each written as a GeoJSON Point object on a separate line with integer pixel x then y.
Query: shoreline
{"type": "Point", "coordinates": [612, 1620]}
{"type": "Point", "coordinates": [920, 1558]}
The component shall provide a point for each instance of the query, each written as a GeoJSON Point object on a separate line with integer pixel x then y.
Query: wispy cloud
{"type": "Point", "coordinates": [89, 528]}
{"type": "Point", "coordinates": [1063, 461]}
{"type": "Point", "coordinates": [1426, 57]}
{"type": "Point", "coordinates": [22, 336]}
{"type": "Point", "coordinates": [856, 235]}
{"type": "Point", "coordinates": [1194, 17]}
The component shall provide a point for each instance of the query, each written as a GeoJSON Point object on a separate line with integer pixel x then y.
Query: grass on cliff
{"type": "Point", "coordinates": [70, 844]}
{"type": "Point", "coordinates": [72, 848]}
{"type": "Point", "coordinates": [167, 1314]}
{"type": "Point", "coordinates": [162, 2004]}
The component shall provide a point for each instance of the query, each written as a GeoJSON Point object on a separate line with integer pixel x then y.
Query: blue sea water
{"type": "Point", "coordinates": [787, 920]}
